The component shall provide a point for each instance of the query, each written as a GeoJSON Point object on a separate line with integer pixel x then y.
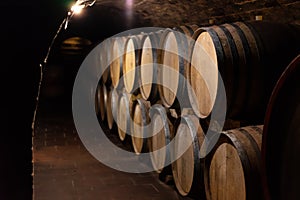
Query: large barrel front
{"type": "Point", "coordinates": [233, 168]}
{"type": "Point", "coordinates": [243, 54]}
{"type": "Point", "coordinates": [206, 57]}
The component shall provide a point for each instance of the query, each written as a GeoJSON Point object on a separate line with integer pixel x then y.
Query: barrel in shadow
{"type": "Point", "coordinates": [188, 30]}
{"type": "Point", "coordinates": [102, 100]}
{"type": "Point", "coordinates": [124, 115]}
{"type": "Point", "coordinates": [105, 60]}
{"type": "Point", "coordinates": [233, 167]}
{"type": "Point", "coordinates": [111, 107]}
{"type": "Point", "coordinates": [281, 139]}
{"type": "Point", "coordinates": [97, 101]}
{"type": "Point", "coordinates": [188, 168]}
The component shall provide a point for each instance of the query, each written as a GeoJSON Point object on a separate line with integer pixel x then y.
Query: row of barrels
{"type": "Point", "coordinates": [181, 66]}
{"type": "Point", "coordinates": [161, 88]}
{"type": "Point", "coordinates": [230, 170]}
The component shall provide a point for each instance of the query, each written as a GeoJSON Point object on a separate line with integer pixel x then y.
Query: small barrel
{"type": "Point", "coordinates": [281, 138]}
{"type": "Point", "coordinates": [124, 114]}
{"type": "Point", "coordinates": [171, 73]}
{"type": "Point", "coordinates": [162, 132]}
{"type": "Point", "coordinates": [188, 30]}
{"type": "Point", "coordinates": [105, 60]}
{"type": "Point", "coordinates": [233, 167]}
{"type": "Point", "coordinates": [111, 107]}
{"type": "Point", "coordinates": [150, 58]}
{"type": "Point", "coordinates": [187, 169]}
{"type": "Point", "coordinates": [97, 100]}
{"type": "Point", "coordinates": [140, 126]}
{"type": "Point", "coordinates": [132, 60]}
{"type": "Point", "coordinates": [116, 65]}
{"type": "Point", "coordinates": [101, 100]}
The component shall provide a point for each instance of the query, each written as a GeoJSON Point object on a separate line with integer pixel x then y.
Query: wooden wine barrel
{"type": "Point", "coordinates": [233, 167]}
{"type": "Point", "coordinates": [105, 60]}
{"type": "Point", "coordinates": [124, 113]}
{"type": "Point", "coordinates": [97, 100]}
{"type": "Point", "coordinates": [207, 55]}
{"type": "Point", "coordinates": [242, 53]}
{"type": "Point", "coordinates": [102, 100]}
{"type": "Point", "coordinates": [162, 132]}
{"type": "Point", "coordinates": [175, 48]}
{"type": "Point", "coordinates": [281, 138]}
{"type": "Point", "coordinates": [150, 58]}
{"type": "Point", "coordinates": [140, 126]}
{"type": "Point", "coordinates": [188, 30]}
{"type": "Point", "coordinates": [116, 65]}
{"type": "Point", "coordinates": [112, 107]}
{"type": "Point", "coordinates": [132, 60]}
{"type": "Point", "coordinates": [188, 168]}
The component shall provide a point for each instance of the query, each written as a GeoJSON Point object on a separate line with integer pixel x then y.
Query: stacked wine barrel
{"type": "Point", "coordinates": [159, 91]}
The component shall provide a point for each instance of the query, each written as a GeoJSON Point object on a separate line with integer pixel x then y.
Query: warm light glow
{"type": "Point", "coordinates": [129, 3]}
{"type": "Point", "coordinates": [76, 9]}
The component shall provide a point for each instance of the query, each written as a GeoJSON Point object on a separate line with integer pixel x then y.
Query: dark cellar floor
{"type": "Point", "coordinates": [64, 169]}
